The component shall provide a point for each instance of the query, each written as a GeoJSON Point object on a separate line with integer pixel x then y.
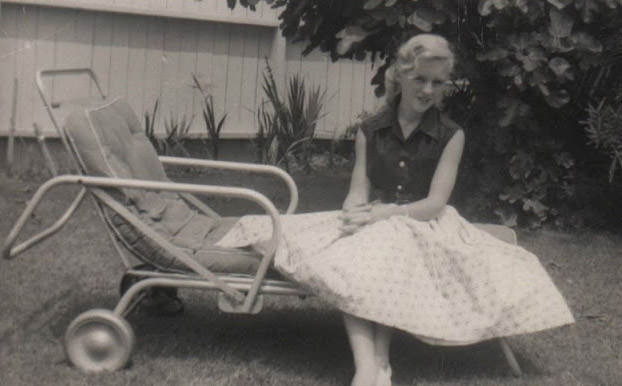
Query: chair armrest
{"type": "Point", "coordinates": [243, 167]}
{"type": "Point", "coordinates": [107, 182]}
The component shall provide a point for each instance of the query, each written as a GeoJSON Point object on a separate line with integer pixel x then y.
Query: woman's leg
{"type": "Point", "coordinates": [382, 344]}
{"type": "Point", "coordinates": [361, 337]}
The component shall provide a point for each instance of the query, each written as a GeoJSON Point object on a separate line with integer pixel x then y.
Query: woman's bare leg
{"type": "Point", "coordinates": [382, 344]}
{"type": "Point", "coordinates": [361, 337]}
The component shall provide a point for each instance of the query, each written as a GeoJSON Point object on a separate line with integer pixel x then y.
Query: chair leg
{"type": "Point", "coordinates": [509, 356]}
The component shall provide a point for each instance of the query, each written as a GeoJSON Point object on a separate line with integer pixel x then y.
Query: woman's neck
{"type": "Point", "coordinates": [408, 119]}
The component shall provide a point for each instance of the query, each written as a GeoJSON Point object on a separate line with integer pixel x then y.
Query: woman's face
{"type": "Point", "coordinates": [424, 85]}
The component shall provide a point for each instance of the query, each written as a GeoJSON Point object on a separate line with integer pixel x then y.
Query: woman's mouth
{"type": "Point", "coordinates": [424, 100]}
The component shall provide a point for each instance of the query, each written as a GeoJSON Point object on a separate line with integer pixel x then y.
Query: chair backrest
{"type": "Point", "coordinates": [109, 141]}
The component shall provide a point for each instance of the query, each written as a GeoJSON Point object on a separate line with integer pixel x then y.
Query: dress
{"type": "Point", "coordinates": [444, 280]}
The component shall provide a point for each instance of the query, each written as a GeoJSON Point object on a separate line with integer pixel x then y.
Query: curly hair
{"type": "Point", "coordinates": [427, 46]}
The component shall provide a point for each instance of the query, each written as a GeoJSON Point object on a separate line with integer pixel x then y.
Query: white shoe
{"type": "Point", "coordinates": [383, 378]}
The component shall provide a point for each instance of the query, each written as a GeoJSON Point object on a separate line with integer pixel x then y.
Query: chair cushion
{"type": "Point", "coordinates": [109, 141]}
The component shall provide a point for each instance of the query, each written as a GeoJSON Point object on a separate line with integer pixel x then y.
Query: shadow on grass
{"type": "Point", "coordinates": [304, 338]}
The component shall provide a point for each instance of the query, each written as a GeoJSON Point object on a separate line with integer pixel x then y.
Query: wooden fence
{"type": "Point", "coordinates": [145, 50]}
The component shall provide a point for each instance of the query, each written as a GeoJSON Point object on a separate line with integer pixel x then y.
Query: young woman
{"type": "Point", "coordinates": [397, 256]}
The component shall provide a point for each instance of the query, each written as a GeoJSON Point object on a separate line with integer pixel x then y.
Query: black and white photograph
{"type": "Point", "coordinates": [311, 192]}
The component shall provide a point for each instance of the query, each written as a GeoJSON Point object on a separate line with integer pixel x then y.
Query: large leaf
{"type": "Point", "coordinates": [371, 4]}
{"type": "Point", "coordinates": [507, 218]}
{"type": "Point", "coordinates": [492, 55]}
{"type": "Point", "coordinates": [560, 4]}
{"type": "Point", "coordinates": [586, 42]}
{"type": "Point", "coordinates": [509, 69]}
{"type": "Point", "coordinates": [485, 7]}
{"type": "Point", "coordinates": [561, 24]}
{"type": "Point", "coordinates": [512, 193]}
{"type": "Point", "coordinates": [521, 165]}
{"type": "Point", "coordinates": [556, 98]}
{"type": "Point", "coordinates": [587, 8]}
{"type": "Point", "coordinates": [536, 207]}
{"type": "Point", "coordinates": [561, 68]}
{"type": "Point", "coordinates": [425, 18]}
{"type": "Point", "coordinates": [613, 4]}
{"type": "Point", "coordinates": [532, 60]}
{"type": "Point", "coordinates": [348, 36]}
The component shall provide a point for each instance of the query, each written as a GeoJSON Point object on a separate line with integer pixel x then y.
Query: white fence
{"type": "Point", "coordinates": [145, 50]}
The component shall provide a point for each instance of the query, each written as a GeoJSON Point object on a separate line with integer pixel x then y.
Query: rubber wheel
{"type": "Point", "coordinates": [99, 340]}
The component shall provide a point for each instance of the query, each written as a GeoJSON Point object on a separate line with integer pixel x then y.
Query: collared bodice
{"type": "Point", "coordinates": [401, 169]}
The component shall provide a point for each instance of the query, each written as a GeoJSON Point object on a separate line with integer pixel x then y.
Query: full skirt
{"type": "Point", "coordinates": [444, 280]}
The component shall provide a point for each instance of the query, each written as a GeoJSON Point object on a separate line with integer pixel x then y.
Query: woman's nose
{"type": "Point", "coordinates": [428, 88]}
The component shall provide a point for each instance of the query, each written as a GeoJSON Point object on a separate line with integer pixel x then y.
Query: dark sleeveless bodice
{"type": "Point", "coordinates": [401, 169]}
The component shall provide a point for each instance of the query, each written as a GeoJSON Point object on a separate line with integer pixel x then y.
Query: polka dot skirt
{"type": "Point", "coordinates": [444, 280]}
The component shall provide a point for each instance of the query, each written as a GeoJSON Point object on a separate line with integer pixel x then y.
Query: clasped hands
{"type": "Point", "coordinates": [356, 216]}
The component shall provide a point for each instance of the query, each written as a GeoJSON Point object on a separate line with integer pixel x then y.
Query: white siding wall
{"type": "Point", "coordinates": [143, 58]}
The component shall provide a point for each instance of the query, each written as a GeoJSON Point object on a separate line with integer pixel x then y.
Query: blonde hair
{"type": "Point", "coordinates": [422, 46]}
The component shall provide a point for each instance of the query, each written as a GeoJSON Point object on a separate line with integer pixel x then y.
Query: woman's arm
{"type": "Point", "coordinates": [359, 183]}
{"type": "Point", "coordinates": [441, 186]}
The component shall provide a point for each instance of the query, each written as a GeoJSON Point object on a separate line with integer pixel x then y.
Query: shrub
{"type": "Point", "coordinates": [532, 66]}
{"type": "Point", "coordinates": [212, 127]}
{"type": "Point", "coordinates": [286, 127]}
{"type": "Point", "coordinates": [177, 128]}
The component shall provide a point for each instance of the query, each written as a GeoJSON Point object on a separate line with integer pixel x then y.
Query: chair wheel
{"type": "Point", "coordinates": [99, 340]}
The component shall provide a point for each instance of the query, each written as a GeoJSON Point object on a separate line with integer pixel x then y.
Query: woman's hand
{"type": "Point", "coordinates": [355, 217]}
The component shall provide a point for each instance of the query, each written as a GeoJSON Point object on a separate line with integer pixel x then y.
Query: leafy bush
{"type": "Point", "coordinates": [149, 121]}
{"type": "Point", "coordinates": [176, 128]}
{"type": "Point", "coordinates": [533, 67]}
{"type": "Point", "coordinates": [212, 128]}
{"type": "Point", "coordinates": [604, 131]}
{"type": "Point", "coordinates": [286, 128]}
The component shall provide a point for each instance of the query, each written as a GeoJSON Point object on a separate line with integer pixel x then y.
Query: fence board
{"type": "Point", "coordinates": [152, 76]}
{"type": "Point", "coordinates": [26, 34]}
{"type": "Point", "coordinates": [47, 25]}
{"type": "Point", "coordinates": [204, 69]}
{"type": "Point", "coordinates": [136, 64]}
{"type": "Point", "coordinates": [102, 49]}
{"type": "Point", "coordinates": [187, 66]}
{"type": "Point", "coordinates": [8, 54]}
{"type": "Point", "coordinates": [250, 63]}
{"type": "Point", "coordinates": [220, 65]}
{"type": "Point", "coordinates": [170, 61]}
{"type": "Point", "coordinates": [119, 56]}
{"type": "Point", "coordinates": [211, 10]}
{"type": "Point", "coordinates": [145, 57]}
{"type": "Point", "coordinates": [234, 75]}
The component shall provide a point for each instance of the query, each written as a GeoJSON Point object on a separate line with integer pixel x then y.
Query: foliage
{"type": "Point", "coordinates": [212, 127]}
{"type": "Point", "coordinates": [149, 120]}
{"type": "Point", "coordinates": [286, 127]}
{"type": "Point", "coordinates": [176, 128]}
{"type": "Point", "coordinates": [603, 127]}
{"type": "Point", "coordinates": [532, 66]}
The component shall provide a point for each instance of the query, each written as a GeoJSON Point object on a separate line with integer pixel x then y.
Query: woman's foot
{"type": "Point", "coordinates": [365, 376]}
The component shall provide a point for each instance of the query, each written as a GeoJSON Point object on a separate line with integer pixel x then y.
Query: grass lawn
{"type": "Point", "coordinates": [292, 341]}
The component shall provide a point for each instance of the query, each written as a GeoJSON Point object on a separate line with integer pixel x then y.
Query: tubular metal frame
{"type": "Point", "coordinates": [244, 292]}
